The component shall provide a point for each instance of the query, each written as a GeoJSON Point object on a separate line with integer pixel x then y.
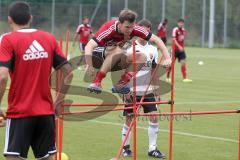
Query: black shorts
{"type": "Point", "coordinates": [180, 55]}
{"type": "Point", "coordinates": [164, 39]}
{"type": "Point", "coordinates": [98, 58]}
{"type": "Point", "coordinates": [82, 47]}
{"type": "Point", "coordinates": [146, 107]}
{"type": "Point", "coordinates": [37, 132]}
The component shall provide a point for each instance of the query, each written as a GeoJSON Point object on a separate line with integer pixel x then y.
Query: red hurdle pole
{"type": "Point", "coordinates": [172, 104]}
{"type": "Point", "coordinates": [134, 103]}
{"type": "Point", "coordinates": [67, 41]}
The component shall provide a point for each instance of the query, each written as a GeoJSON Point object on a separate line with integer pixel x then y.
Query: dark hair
{"type": "Point", "coordinates": [181, 20]}
{"type": "Point", "coordinates": [165, 21]}
{"type": "Point", "coordinates": [20, 12]}
{"type": "Point", "coordinates": [127, 15]}
{"type": "Point", "coordinates": [145, 23]}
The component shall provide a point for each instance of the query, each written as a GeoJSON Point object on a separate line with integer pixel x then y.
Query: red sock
{"type": "Point", "coordinates": [126, 76]}
{"type": "Point", "coordinates": [184, 71]}
{"type": "Point", "coordinates": [99, 77]}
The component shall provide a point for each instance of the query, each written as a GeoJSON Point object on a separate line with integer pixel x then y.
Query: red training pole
{"type": "Point", "coordinates": [172, 104]}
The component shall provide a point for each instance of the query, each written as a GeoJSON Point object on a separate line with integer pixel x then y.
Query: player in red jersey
{"type": "Point", "coordinates": [84, 32]}
{"type": "Point", "coordinates": [178, 34]}
{"type": "Point", "coordinates": [28, 55]}
{"type": "Point", "coordinates": [162, 30]}
{"type": "Point", "coordinates": [107, 50]}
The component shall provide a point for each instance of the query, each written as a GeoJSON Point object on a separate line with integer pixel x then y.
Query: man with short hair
{"type": "Point", "coordinates": [178, 36]}
{"type": "Point", "coordinates": [162, 31]}
{"type": "Point", "coordinates": [28, 55]}
{"type": "Point", "coordinates": [106, 51]}
{"type": "Point", "coordinates": [84, 32]}
{"type": "Point", "coordinates": [143, 79]}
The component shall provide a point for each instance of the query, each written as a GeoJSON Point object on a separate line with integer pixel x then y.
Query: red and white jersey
{"type": "Point", "coordinates": [179, 34]}
{"type": "Point", "coordinates": [108, 34]}
{"type": "Point", "coordinates": [30, 55]}
{"type": "Point", "coordinates": [84, 31]}
{"type": "Point", "coordinates": [162, 31]}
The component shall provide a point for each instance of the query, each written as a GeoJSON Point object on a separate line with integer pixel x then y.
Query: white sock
{"type": "Point", "coordinates": [152, 135]}
{"type": "Point", "coordinates": [124, 132]}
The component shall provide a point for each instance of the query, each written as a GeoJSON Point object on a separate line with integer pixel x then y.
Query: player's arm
{"type": "Point", "coordinates": [66, 79]}
{"type": "Point", "coordinates": [88, 52]}
{"type": "Point", "coordinates": [162, 48]}
{"type": "Point", "coordinates": [75, 38]}
{"type": "Point", "coordinates": [3, 84]}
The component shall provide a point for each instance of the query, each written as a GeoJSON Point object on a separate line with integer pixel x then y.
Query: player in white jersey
{"type": "Point", "coordinates": [143, 79]}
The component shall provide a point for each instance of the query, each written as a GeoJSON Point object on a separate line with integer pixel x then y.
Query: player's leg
{"type": "Point", "coordinates": [182, 59]}
{"type": "Point", "coordinates": [153, 127]}
{"type": "Point", "coordinates": [82, 57]}
{"type": "Point", "coordinates": [127, 98]}
{"type": "Point", "coordinates": [16, 147]}
{"type": "Point", "coordinates": [43, 141]}
{"type": "Point", "coordinates": [120, 87]}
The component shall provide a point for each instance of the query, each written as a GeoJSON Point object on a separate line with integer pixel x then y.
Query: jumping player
{"type": "Point", "coordinates": [143, 78]}
{"type": "Point", "coordinates": [107, 51]}
{"type": "Point", "coordinates": [28, 55]}
{"type": "Point", "coordinates": [178, 34]}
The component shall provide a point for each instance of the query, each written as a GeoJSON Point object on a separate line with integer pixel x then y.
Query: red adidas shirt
{"type": "Point", "coordinates": [162, 31]}
{"type": "Point", "coordinates": [30, 55]}
{"type": "Point", "coordinates": [178, 33]}
{"type": "Point", "coordinates": [85, 32]}
{"type": "Point", "coordinates": [109, 35]}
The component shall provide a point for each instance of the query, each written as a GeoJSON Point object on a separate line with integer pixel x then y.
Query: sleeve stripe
{"type": "Point", "coordinates": [142, 31]}
{"type": "Point", "coordinates": [159, 26]}
{"type": "Point", "coordinates": [174, 33]}
{"type": "Point", "coordinates": [105, 33]}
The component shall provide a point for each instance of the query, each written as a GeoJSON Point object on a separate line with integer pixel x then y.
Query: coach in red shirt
{"type": "Point", "coordinates": [28, 55]}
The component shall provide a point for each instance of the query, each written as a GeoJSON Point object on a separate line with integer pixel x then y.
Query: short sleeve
{"type": "Point", "coordinates": [142, 33]}
{"type": "Point", "coordinates": [58, 58]}
{"type": "Point", "coordinates": [6, 52]}
{"type": "Point", "coordinates": [174, 33]}
{"type": "Point", "coordinates": [78, 29]}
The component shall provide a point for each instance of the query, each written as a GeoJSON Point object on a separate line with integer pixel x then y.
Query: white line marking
{"type": "Point", "coordinates": [174, 132]}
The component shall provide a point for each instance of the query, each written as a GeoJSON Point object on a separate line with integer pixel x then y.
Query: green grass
{"type": "Point", "coordinates": [212, 137]}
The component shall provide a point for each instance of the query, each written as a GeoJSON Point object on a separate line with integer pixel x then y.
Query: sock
{"type": "Point", "coordinates": [152, 135]}
{"type": "Point", "coordinates": [124, 132]}
{"type": "Point", "coordinates": [99, 77]}
{"type": "Point", "coordinates": [184, 71]}
{"type": "Point", "coordinates": [126, 76]}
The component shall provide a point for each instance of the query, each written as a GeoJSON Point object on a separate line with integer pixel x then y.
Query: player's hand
{"type": "Point", "coordinates": [2, 118]}
{"type": "Point", "coordinates": [58, 107]}
{"type": "Point", "coordinates": [167, 63]}
{"type": "Point", "coordinates": [180, 48]}
{"type": "Point", "coordinates": [90, 70]}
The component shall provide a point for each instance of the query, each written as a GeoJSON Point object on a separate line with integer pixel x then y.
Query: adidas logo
{"type": "Point", "coordinates": [35, 51]}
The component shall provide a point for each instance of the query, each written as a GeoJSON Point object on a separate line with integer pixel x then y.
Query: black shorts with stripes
{"type": "Point", "coordinates": [98, 57]}
{"type": "Point", "coordinates": [37, 132]}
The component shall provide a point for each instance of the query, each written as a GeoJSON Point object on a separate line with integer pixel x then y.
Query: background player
{"type": "Point", "coordinates": [113, 37]}
{"type": "Point", "coordinates": [28, 55]}
{"type": "Point", "coordinates": [83, 33]}
{"type": "Point", "coordinates": [178, 35]}
{"type": "Point", "coordinates": [143, 79]}
{"type": "Point", "coordinates": [162, 30]}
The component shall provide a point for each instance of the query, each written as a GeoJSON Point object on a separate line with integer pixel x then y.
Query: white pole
{"type": "Point", "coordinates": [211, 24]}
{"type": "Point", "coordinates": [183, 8]}
{"type": "Point", "coordinates": [95, 11]}
{"type": "Point", "coordinates": [144, 8]}
{"type": "Point", "coordinates": [163, 9]}
{"type": "Point", "coordinates": [203, 22]}
{"type": "Point", "coordinates": [109, 10]}
{"type": "Point", "coordinates": [126, 4]}
{"type": "Point", "coordinates": [225, 23]}
{"type": "Point", "coordinates": [53, 16]}
{"type": "Point", "coordinates": [80, 14]}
